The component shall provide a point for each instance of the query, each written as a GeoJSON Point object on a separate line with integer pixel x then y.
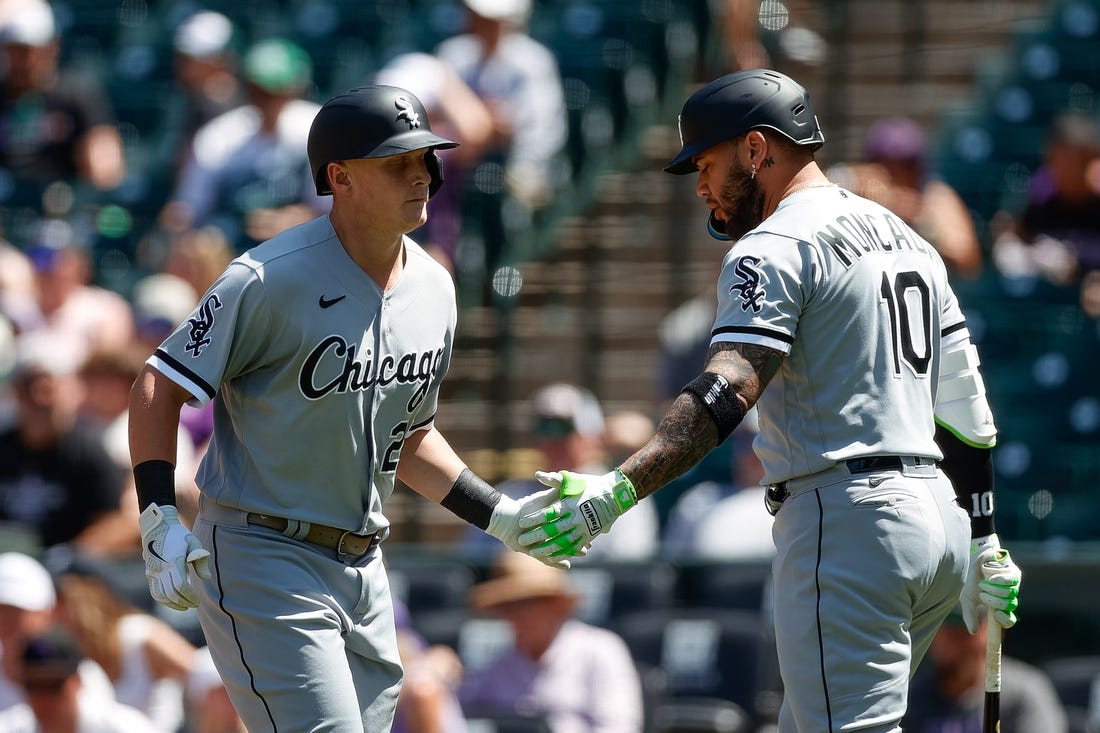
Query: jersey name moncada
{"type": "Point", "coordinates": [858, 302]}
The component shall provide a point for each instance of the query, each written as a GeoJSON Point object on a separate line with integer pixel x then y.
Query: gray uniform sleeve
{"type": "Point", "coordinates": [762, 290]}
{"type": "Point", "coordinates": [223, 337]}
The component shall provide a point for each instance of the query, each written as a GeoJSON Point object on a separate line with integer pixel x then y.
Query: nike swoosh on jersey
{"type": "Point", "coordinates": [155, 553]}
{"type": "Point", "coordinates": [326, 303]}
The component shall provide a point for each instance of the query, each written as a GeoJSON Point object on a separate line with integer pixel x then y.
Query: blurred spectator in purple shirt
{"type": "Point", "coordinates": [579, 677]}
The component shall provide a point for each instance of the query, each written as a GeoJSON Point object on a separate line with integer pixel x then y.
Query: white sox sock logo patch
{"type": "Point", "coordinates": [199, 327]}
{"type": "Point", "coordinates": [749, 288]}
{"type": "Point", "coordinates": [407, 113]}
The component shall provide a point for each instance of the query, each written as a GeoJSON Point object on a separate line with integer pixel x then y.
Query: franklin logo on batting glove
{"type": "Point", "coordinates": [591, 518]}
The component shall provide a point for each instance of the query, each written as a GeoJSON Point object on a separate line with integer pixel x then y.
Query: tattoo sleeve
{"type": "Point", "coordinates": [687, 432]}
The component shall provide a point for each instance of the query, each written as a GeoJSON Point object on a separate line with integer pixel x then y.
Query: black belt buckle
{"type": "Point", "coordinates": [774, 496]}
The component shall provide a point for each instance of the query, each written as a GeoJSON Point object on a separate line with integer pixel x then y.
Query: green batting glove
{"type": "Point", "coordinates": [588, 507]}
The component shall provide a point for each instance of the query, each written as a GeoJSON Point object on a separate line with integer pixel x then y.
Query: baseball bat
{"type": "Point", "coordinates": [991, 717]}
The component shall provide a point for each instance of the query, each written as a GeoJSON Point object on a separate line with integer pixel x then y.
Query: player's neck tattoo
{"type": "Point", "coordinates": [768, 162]}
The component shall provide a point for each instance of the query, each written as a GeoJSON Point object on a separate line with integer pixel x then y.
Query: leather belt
{"type": "Point", "coordinates": [345, 542]}
{"type": "Point", "coordinates": [776, 494]}
{"type": "Point", "coordinates": [885, 463]}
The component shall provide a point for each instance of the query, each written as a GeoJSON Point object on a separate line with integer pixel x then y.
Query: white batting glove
{"type": "Point", "coordinates": [993, 581]}
{"type": "Point", "coordinates": [168, 548]}
{"type": "Point", "coordinates": [504, 524]}
{"type": "Point", "coordinates": [589, 505]}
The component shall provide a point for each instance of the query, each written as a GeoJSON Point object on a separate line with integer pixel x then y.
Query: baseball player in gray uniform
{"type": "Point", "coordinates": [836, 320]}
{"type": "Point", "coordinates": [323, 350]}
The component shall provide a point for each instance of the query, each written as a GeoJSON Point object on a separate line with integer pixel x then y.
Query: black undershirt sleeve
{"type": "Point", "coordinates": [971, 472]}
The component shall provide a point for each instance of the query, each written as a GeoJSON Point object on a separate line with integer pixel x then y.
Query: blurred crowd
{"type": "Point", "coordinates": [234, 156]}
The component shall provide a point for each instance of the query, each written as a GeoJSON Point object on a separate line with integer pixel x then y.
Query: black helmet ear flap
{"type": "Point", "coordinates": [435, 169]}
{"type": "Point", "coordinates": [717, 228]}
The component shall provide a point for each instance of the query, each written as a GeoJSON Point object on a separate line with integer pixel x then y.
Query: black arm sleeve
{"type": "Point", "coordinates": [971, 471]}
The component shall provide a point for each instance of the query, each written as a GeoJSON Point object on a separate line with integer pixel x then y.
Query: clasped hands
{"type": "Point", "coordinates": [561, 522]}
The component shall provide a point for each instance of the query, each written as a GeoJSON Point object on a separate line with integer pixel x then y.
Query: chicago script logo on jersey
{"type": "Point", "coordinates": [198, 328]}
{"type": "Point", "coordinates": [332, 367]}
{"type": "Point", "coordinates": [406, 112]}
{"type": "Point", "coordinates": [749, 286]}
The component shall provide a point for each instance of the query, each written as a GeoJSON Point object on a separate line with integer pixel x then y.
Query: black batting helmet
{"type": "Point", "coordinates": [736, 103]}
{"type": "Point", "coordinates": [372, 122]}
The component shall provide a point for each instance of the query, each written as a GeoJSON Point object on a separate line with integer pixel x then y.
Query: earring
{"type": "Point", "coordinates": [753, 177]}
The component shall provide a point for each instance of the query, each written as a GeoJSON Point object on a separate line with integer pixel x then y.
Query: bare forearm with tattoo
{"type": "Point", "coordinates": [688, 432]}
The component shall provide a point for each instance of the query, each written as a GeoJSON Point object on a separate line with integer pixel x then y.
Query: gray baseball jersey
{"type": "Point", "coordinates": [867, 563]}
{"type": "Point", "coordinates": [859, 303]}
{"type": "Point", "coordinates": [317, 376]}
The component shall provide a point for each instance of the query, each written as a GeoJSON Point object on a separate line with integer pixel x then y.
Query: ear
{"type": "Point", "coordinates": [338, 174]}
{"type": "Point", "coordinates": [757, 146]}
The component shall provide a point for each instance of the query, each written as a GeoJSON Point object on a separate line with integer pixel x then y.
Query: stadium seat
{"type": "Point", "coordinates": [476, 639]}
{"type": "Point", "coordinates": [429, 583]}
{"type": "Point", "coordinates": [704, 652]}
{"type": "Point", "coordinates": [1077, 681]}
{"type": "Point", "coordinates": [610, 589]}
{"type": "Point", "coordinates": [734, 585]}
{"type": "Point", "coordinates": [701, 715]}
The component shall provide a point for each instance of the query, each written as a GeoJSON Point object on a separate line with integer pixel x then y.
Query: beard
{"type": "Point", "coordinates": [741, 202]}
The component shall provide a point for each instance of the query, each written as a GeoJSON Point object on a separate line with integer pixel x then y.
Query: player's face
{"type": "Point", "coordinates": [740, 198]}
{"type": "Point", "coordinates": [393, 189]}
{"type": "Point", "coordinates": [729, 188]}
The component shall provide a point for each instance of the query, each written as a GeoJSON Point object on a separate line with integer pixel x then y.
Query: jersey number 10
{"type": "Point", "coordinates": [909, 305]}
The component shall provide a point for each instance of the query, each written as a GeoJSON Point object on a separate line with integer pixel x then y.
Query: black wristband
{"type": "Point", "coordinates": [156, 483]}
{"type": "Point", "coordinates": [714, 392]}
{"type": "Point", "coordinates": [472, 499]}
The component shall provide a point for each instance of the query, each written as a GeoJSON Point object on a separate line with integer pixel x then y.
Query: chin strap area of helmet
{"type": "Point", "coordinates": [717, 228]}
{"type": "Point", "coordinates": [435, 171]}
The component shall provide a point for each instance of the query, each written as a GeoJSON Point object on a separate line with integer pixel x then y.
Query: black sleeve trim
{"type": "Point", "coordinates": [422, 423]}
{"type": "Point", "coordinates": [755, 331]}
{"type": "Point", "coordinates": [952, 329]}
{"type": "Point", "coordinates": [179, 367]}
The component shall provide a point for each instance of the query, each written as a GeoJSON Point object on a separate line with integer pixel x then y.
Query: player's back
{"type": "Point", "coordinates": [860, 301]}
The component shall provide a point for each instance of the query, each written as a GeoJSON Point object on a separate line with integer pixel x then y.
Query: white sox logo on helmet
{"type": "Point", "coordinates": [749, 288]}
{"type": "Point", "coordinates": [406, 112]}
